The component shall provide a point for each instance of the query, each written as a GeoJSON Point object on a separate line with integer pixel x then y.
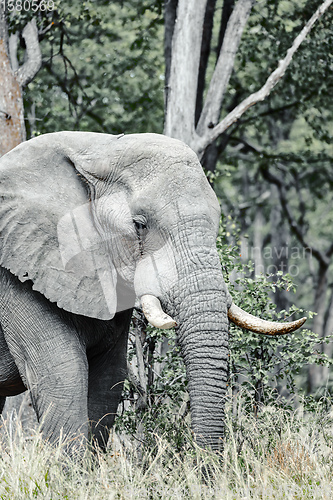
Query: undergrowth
{"type": "Point", "coordinates": [277, 453]}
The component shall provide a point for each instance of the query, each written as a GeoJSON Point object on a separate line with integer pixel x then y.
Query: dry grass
{"type": "Point", "coordinates": [291, 459]}
{"type": "Point", "coordinates": [277, 455]}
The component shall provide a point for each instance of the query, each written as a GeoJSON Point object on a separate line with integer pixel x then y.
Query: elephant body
{"type": "Point", "coordinates": [74, 366]}
{"type": "Point", "coordinates": [90, 223]}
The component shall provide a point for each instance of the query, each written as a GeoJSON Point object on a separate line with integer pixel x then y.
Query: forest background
{"type": "Point", "coordinates": [129, 67]}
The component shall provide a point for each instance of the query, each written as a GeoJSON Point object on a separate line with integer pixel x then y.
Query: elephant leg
{"type": "Point", "coordinates": [107, 372]}
{"type": "Point", "coordinates": [52, 363]}
{"type": "Point", "coordinates": [57, 377]}
{"type": "Point", "coordinates": [56, 373]}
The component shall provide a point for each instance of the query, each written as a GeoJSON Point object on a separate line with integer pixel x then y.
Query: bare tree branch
{"type": "Point", "coordinates": [141, 403]}
{"type": "Point", "coordinates": [212, 134]}
{"type": "Point", "coordinates": [12, 49]}
{"type": "Point", "coordinates": [272, 111]}
{"type": "Point", "coordinates": [33, 55]}
{"type": "Point", "coordinates": [221, 76]}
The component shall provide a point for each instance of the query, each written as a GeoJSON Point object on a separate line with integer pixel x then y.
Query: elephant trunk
{"type": "Point", "coordinates": [203, 337]}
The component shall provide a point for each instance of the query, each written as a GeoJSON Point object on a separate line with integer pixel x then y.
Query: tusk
{"type": "Point", "coordinates": [257, 325]}
{"type": "Point", "coordinates": [154, 313]}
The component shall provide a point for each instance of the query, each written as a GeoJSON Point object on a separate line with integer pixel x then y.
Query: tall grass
{"type": "Point", "coordinates": [277, 454]}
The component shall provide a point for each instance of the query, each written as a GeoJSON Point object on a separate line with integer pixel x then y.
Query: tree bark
{"type": "Point", "coordinates": [316, 372]}
{"type": "Point", "coordinates": [221, 76]}
{"type": "Point", "coordinates": [13, 79]}
{"type": "Point", "coordinates": [227, 8]}
{"type": "Point", "coordinates": [204, 55]}
{"type": "Point", "coordinates": [184, 68]}
{"type": "Point", "coordinates": [170, 12]}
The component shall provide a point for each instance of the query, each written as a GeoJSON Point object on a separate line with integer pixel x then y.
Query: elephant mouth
{"type": "Point", "coordinates": [154, 313]}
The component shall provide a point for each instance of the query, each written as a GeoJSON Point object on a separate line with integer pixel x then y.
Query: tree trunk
{"type": "Point", "coordinates": [170, 12]}
{"type": "Point", "coordinates": [204, 55]}
{"type": "Point", "coordinates": [316, 373]}
{"type": "Point", "coordinates": [185, 43]}
{"type": "Point", "coordinates": [184, 67]}
{"type": "Point", "coordinates": [13, 79]}
{"type": "Point", "coordinates": [12, 129]}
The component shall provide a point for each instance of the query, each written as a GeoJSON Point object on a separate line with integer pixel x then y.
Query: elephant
{"type": "Point", "coordinates": [91, 225]}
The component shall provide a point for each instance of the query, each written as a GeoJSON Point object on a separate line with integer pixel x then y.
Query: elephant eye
{"type": "Point", "coordinates": [140, 224]}
{"type": "Point", "coordinates": [140, 227]}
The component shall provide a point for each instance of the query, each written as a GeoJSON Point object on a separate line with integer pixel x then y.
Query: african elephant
{"type": "Point", "coordinates": [90, 223]}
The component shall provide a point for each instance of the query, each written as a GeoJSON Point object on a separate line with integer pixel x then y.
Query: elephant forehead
{"type": "Point", "coordinates": [153, 154]}
{"type": "Point", "coordinates": [136, 156]}
{"type": "Point", "coordinates": [154, 144]}
{"type": "Point", "coordinates": [185, 187]}
{"type": "Point", "coordinates": [162, 169]}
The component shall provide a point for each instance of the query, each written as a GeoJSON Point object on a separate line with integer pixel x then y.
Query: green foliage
{"type": "Point", "coordinates": [266, 366]}
{"type": "Point", "coordinates": [102, 68]}
{"type": "Point", "coordinates": [156, 403]}
{"type": "Point", "coordinates": [279, 154]}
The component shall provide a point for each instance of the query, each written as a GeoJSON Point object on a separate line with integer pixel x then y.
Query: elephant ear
{"type": "Point", "coordinates": [47, 234]}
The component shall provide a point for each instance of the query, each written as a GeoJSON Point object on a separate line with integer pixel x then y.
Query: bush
{"type": "Point", "coordinates": [266, 366]}
{"type": "Point", "coordinates": [155, 401]}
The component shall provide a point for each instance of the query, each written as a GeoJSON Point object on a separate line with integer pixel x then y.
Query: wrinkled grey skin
{"type": "Point", "coordinates": [89, 222]}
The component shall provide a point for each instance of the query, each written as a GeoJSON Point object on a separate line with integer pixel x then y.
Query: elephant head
{"type": "Point", "coordinates": [97, 222]}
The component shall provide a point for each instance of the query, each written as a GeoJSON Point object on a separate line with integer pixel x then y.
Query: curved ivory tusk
{"type": "Point", "coordinates": [154, 313]}
{"type": "Point", "coordinates": [257, 325]}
